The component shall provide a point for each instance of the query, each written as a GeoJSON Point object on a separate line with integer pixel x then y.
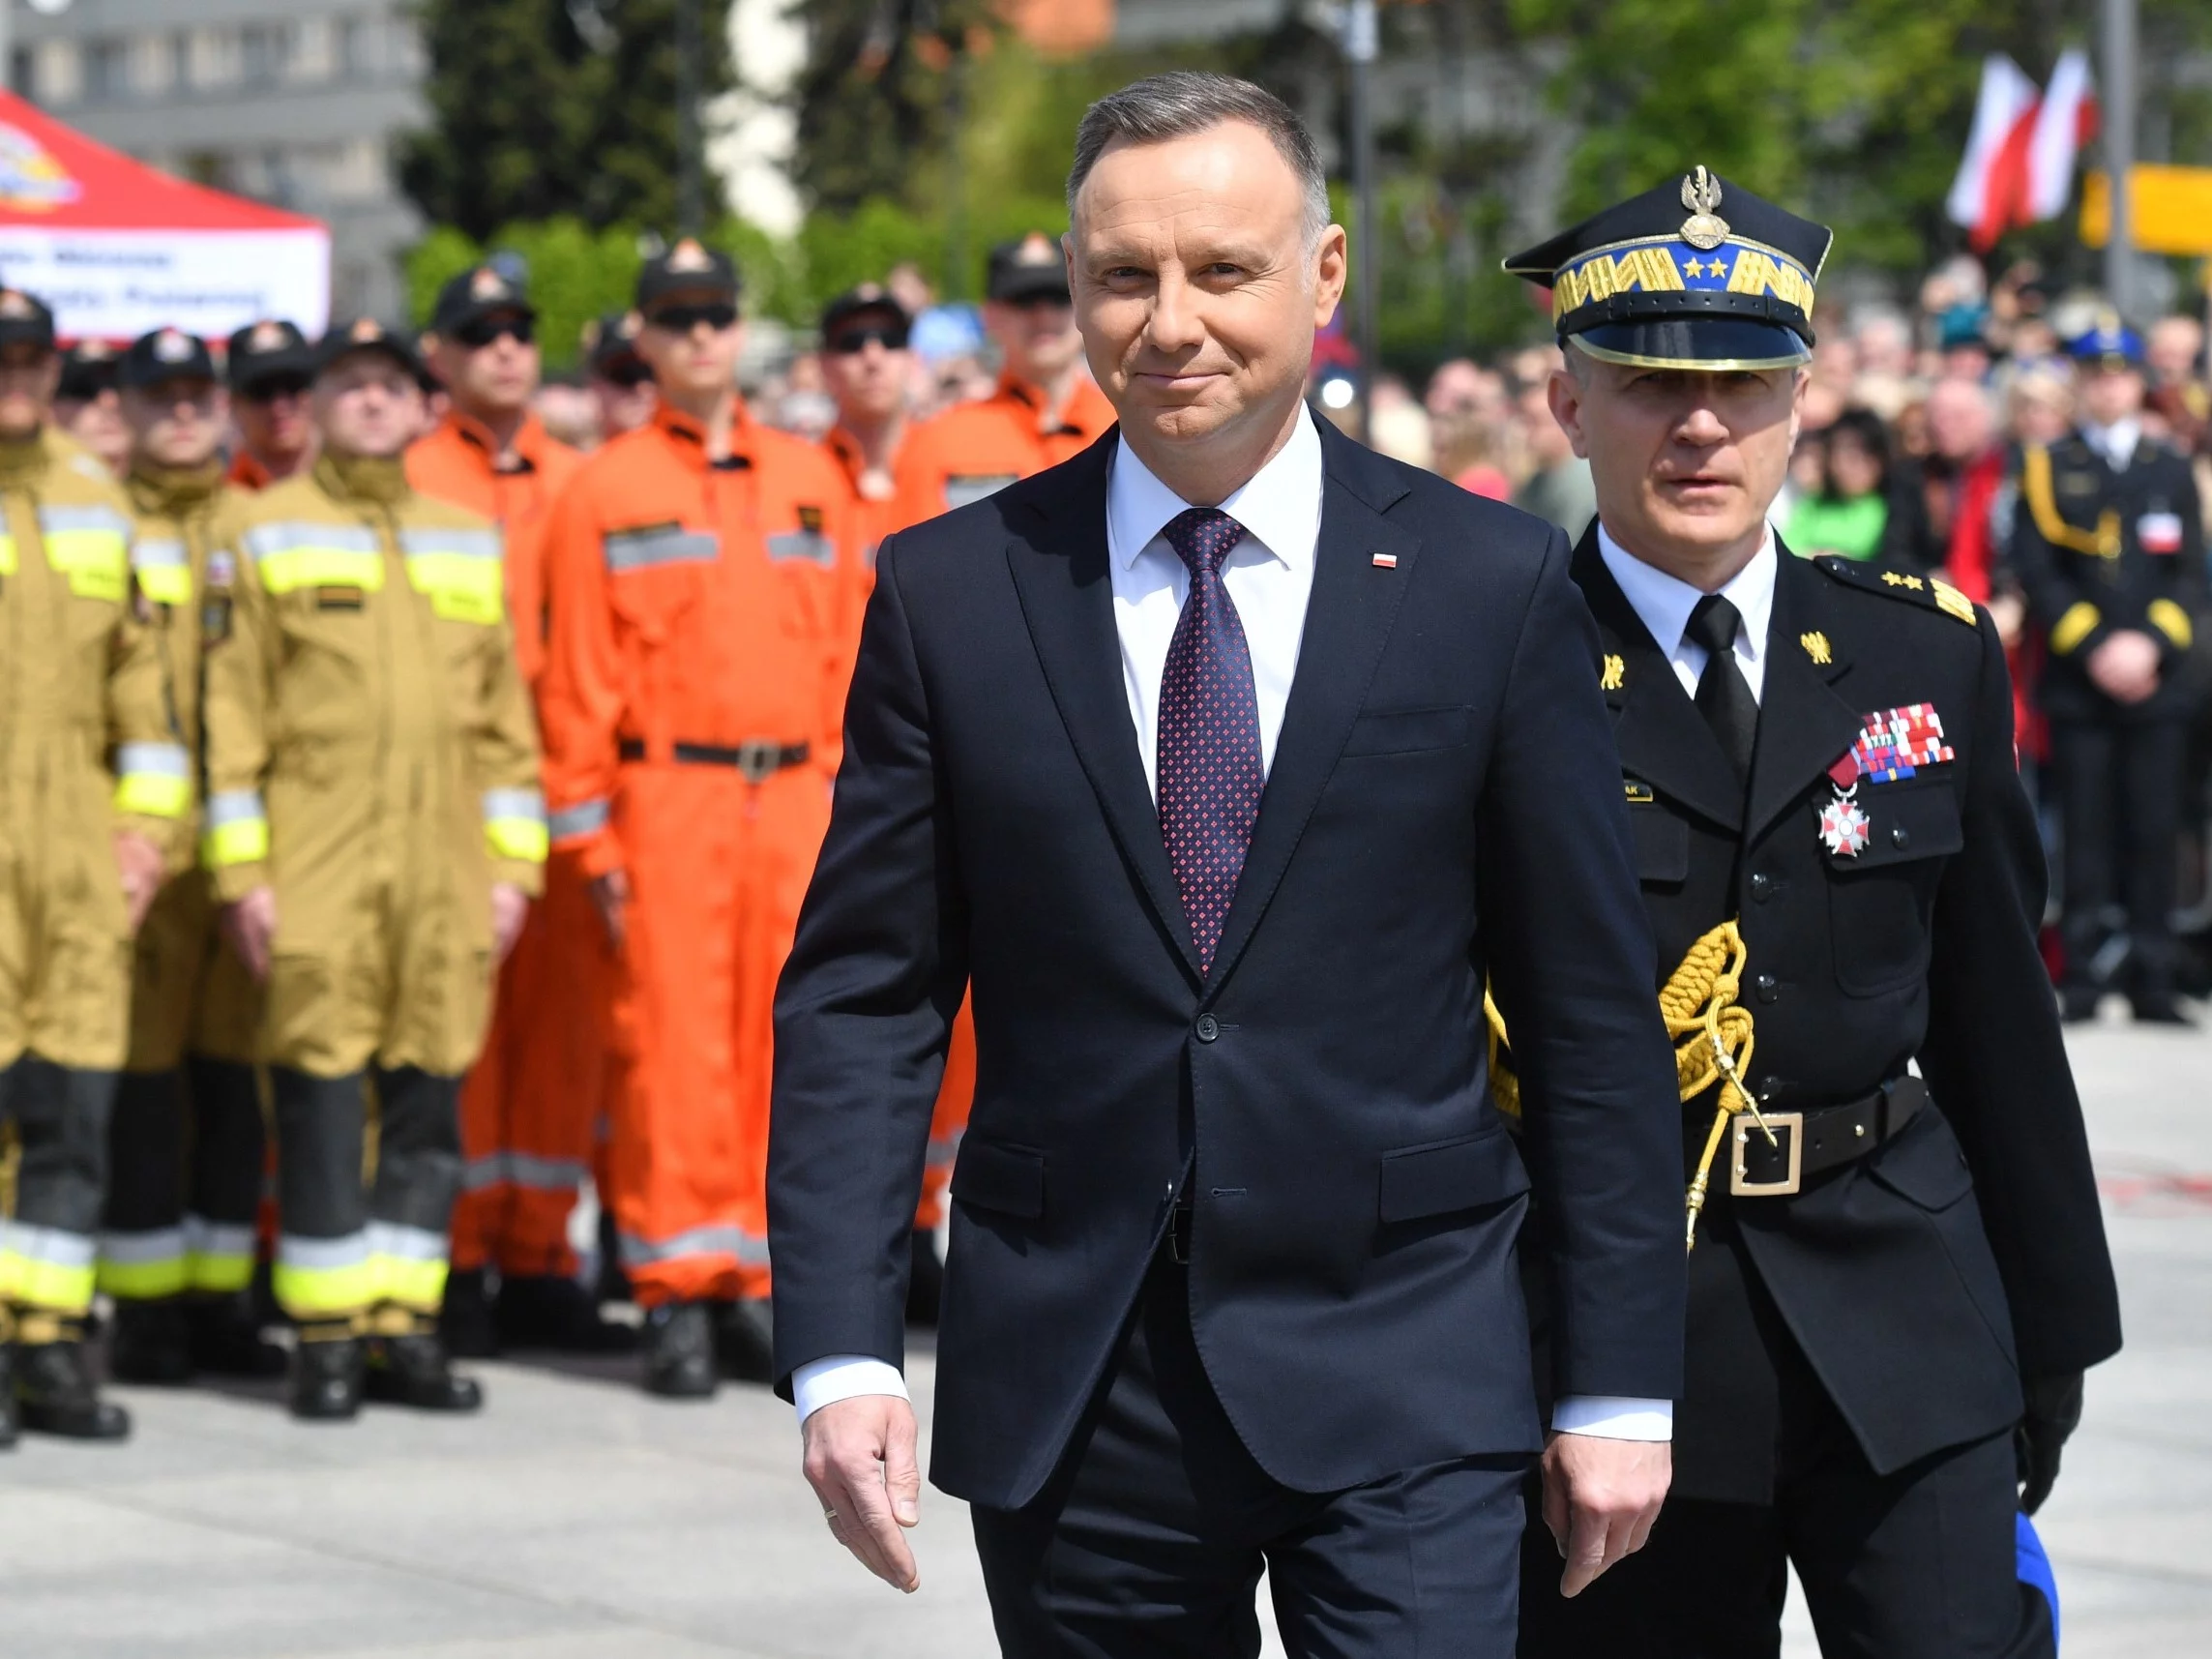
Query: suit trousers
{"type": "Point", "coordinates": [1149, 1540]}
{"type": "Point", "coordinates": [2119, 787]}
{"type": "Point", "coordinates": [1915, 1565]}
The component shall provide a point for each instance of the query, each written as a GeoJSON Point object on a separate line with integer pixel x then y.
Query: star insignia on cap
{"type": "Point", "coordinates": [1037, 249]}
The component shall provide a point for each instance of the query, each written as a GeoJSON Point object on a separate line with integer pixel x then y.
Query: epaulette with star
{"type": "Point", "coordinates": [1931, 592]}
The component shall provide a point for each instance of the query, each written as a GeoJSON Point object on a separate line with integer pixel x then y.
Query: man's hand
{"type": "Point", "coordinates": [2053, 1412]}
{"type": "Point", "coordinates": [510, 909]}
{"type": "Point", "coordinates": [139, 863]}
{"type": "Point", "coordinates": [2125, 666]}
{"type": "Point", "coordinates": [610, 893]}
{"type": "Point", "coordinates": [251, 927]}
{"type": "Point", "coordinates": [2009, 611]}
{"type": "Point", "coordinates": [1600, 1500]}
{"type": "Point", "coordinates": [860, 1460]}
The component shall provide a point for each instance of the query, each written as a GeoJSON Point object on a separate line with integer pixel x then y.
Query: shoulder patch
{"type": "Point", "coordinates": [1929, 592]}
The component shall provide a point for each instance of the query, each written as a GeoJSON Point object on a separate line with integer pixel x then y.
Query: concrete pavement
{"type": "Point", "coordinates": [578, 1519]}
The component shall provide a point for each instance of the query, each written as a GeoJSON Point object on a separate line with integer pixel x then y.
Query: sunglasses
{"type": "Point", "coordinates": [271, 387]}
{"type": "Point", "coordinates": [682, 320]}
{"type": "Point", "coordinates": [628, 373]}
{"type": "Point", "coordinates": [480, 332]}
{"type": "Point", "coordinates": [852, 341]}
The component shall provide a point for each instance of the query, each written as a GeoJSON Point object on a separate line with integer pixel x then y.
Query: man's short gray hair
{"type": "Point", "coordinates": [1184, 101]}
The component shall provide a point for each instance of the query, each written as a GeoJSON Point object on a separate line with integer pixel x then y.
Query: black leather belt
{"type": "Point", "coordinates": [1808, 1144]}
{"type": "Point", "coordinates": [756, 759]}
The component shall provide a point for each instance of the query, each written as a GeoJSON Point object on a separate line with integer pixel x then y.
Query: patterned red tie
{"type": "Point", "coordinates": [1210, 777]}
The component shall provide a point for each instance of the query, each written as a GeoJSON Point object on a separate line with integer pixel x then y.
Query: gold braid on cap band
{"type": "Point", "coordinates": [1713, 1043]}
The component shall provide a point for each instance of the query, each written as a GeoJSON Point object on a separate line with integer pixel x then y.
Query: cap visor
{"type": "Point", "coordinates": [1044, 285]}
{"type": "Point", "coordinates": [1704, 344]}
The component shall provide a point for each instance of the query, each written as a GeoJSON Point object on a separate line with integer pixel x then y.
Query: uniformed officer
{"type": "Point", "coordinates": [1046, 407]}
{"type": "Point", "coordinates": [375, 830]}
{"type": "Point", "coordinates": [185, 1145]}
{"type": "Point", "coordinates": [1897, 1273]}
{"type": "Point", "coordinates": [267, 364]}
{"type": "Point", "coordinates": [620, 382]}
{"type": "Point", "coordinates": [2108, 542]}
{"type": "Point", "coordinates": [94, 787]}
{"type": "Point", "coordinates": [88, 406]}
{"type": "Point", "coordinates": [693, 703]}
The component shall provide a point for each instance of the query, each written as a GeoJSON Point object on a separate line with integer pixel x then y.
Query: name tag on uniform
{"type": "Point", "coordinates": [2159, 532]}
{"type": "Point", "coordinates": [340, 599]}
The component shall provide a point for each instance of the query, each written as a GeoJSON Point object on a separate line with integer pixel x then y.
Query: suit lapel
{"type": "Point", "coordinates": [1662, 737]}
{"type": "Point", "coordinates": [1348, 617]}
{"type": "Point", "coordinates": [1058, 559]}
{"type": "Point", "coordinates": [1805, 724]}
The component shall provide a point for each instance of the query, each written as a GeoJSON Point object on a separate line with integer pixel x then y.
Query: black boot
{"type": "Point", "coordinates": [745, 1340]}
{"type": "Point", "coordinates": [925, 1279]}
{"type": "Point", "coordinates": [613, 1283]}
{"type": "Point", "coordinates": [469, 1321]}
{"type": "Point", "coordinates": [548, 1311]}
{"type": "Point", "coordinates": [327, 1374]}
{"type": "Point", "coordinates": [407, 1366]}
{"type": "Point", "coordinates": [54, 1389]}
{"type": "Point", "coordinates": [226, 1342]}
{"type": "Point", "coordinates": [151, 1344]}
{"type": "Point", "coordinates": [680, 1351]}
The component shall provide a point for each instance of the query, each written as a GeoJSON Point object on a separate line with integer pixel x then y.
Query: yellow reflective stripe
{"type": "Point", "coordinates": [143, 1280]}
{"type": "Point", "coordinates": [7, 553]}
{"type": "Point", "coordinates": [43, 1267]}
{"type": "Point", "coordinates": [2171, 620]}
{"type": "Point", "coordinates": [208, 1272]}
{"type": "Point", "coordinates": [318, 1277]}
{"type": "Point", "coordinates": [417, 1284]}
{"type": "Point", "coordinates": [96, 562]}
{"type": "Point", "coordinates": [145, 795]}
{"type": "Point", "coordinates": [163, 571]}
{"type": "Point", "coordinates": [517, 838]}
{"type": "Point", "coordinates": [461, 587]}
{"type": "Point", "coordinates": [235, 843]}
{"type": "Point", "coordinates": [2077, 625]}
{"type": "Point", "coordinates": [288, 556]}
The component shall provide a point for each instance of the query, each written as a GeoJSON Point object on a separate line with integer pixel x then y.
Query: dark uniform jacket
{"type": "Point", "coordinates": [1441, 808]}
{"type": "Point", "coordinates": [1921, 1281]}
{"type": "Point", "coordinates": [2099, 550]}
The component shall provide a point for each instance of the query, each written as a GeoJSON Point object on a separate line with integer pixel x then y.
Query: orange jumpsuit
{"type": "Point", "coordinates": [693, 697]}
{"type": "Point", "coordinates": [531, 1105]}
{"type": "Point", "coordinates": [963, 456]}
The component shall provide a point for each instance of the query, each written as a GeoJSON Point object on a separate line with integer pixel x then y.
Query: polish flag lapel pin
{"type": "Point", "coordinates": [1385, 561]}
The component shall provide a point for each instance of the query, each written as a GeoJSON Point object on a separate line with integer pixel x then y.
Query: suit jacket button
{"type": "Point", "coordinates": [1768, 989]}
{"type": "Point", "coordinates": [1762, 887]}
{"type": "Point", "coordinates": [1899, 838]}
{"type": "Point", "coordinates": [1207, 1027]}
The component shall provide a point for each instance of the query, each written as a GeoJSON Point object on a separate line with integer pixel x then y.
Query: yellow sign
{"type": "Point", "coordinates": [2170, 209]}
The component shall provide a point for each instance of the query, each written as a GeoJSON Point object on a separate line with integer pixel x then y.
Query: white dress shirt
{"type": "Point", "coordinates": [2116, 443]}
{"type": "Point", "coordinates": [1664, 604]}
{"type": "Point", "coordinates": [1269, 575]}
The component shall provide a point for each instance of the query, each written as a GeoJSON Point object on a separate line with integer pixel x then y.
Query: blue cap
{"type": "Point", "coordinates": [2110, 345]}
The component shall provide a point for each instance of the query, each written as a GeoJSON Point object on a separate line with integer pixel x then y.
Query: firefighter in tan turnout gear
{"type": "Point", "coordinates": [375, 829]}
{"type": "Point", "coordinates": [94, 785]}
{"type": "Point", "coordinates": [185, 1144]}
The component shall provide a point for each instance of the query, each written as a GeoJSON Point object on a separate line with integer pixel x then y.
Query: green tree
{"type": "Point", "coordinates": [548, 107]}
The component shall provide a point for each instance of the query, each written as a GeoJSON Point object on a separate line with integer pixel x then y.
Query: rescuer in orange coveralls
{"type": "Point", "coordinates": [693, 691]}
{"type": "Point", "coordinates": [530, 1109]}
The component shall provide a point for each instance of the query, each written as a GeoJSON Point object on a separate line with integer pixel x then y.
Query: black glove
{"type": "Point", "coordinates": [2054, 1411]}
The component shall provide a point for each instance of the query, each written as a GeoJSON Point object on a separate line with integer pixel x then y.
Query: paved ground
{"type": "Point", "coordinates": [578, 1520]}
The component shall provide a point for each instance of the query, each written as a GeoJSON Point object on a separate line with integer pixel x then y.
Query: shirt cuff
{"type": "Point", "coordinates": [1614, 1417]}
{"type": "Point", "coordinates": [839, 1377]}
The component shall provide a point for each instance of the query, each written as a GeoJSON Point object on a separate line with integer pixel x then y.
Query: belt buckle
{"type": "Point", "coordinates": [760, 759]}
{"type": "Point", "coordinates": [1789, 1123]}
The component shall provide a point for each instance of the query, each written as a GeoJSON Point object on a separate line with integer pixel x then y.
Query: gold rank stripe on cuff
{"type": "Point", "coordinates": [515, 825]}
{"type": "Point", "coordinates": [1672, 265]}
{"type": "Point", "coordinates": [153, 780]}
{"type": "Point", "coordinates": [2171, 620]}
{"type": "Point", "coordinates": [2077, 625]}
{"type": "Point", "coordinates": [236, 829]}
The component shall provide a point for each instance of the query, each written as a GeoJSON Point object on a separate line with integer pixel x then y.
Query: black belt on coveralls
{"type": "Point", "coordinates": [756, 759]}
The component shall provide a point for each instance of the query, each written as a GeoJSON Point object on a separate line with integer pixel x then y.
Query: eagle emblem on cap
{"type": "Point", "coordinates": [266, 336]}
{"type": "Point", "coordinates": [1037, 249]}
{"type": "Point", "coordinates": [487, 284]}
{"type": "Point", "coordinates": [366, 332]}
{"type": "Point", "coordinates": [170, 347]}
{"type": "Point", "coordinates": [688, 255]}
{"type": "Point", "coordinates": [1704, 228]}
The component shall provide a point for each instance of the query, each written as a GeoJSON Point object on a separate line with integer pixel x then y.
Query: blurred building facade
{"type": "Point", "coordinates": [294, 102]}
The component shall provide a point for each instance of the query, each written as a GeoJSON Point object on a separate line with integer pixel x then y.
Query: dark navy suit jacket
{"type": "Point", "coordinates": [1444, 807]}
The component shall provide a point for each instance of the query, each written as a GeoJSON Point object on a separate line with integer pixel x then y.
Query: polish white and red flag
{"type": "Point", "coordinates": [2019, 165]}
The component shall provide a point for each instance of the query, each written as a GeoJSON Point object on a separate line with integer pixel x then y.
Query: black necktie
{"type": "Point", "coordinates": [1723, 695]}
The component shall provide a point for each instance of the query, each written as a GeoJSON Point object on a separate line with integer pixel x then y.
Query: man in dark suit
{"type": "Point", "coordinates": [1900, 1273]}
{"type": "Point", "coordinates": [2108, 542]}
{"type": "Point", "coordinates": [1228, 762]}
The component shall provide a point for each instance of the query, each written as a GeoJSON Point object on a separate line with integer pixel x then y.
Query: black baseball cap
{"type": "Point", "coordinates": [25, 320]}
{"type": "Point", "coordinates": [166, 354]}
{"type": "Point", "coordinates": [1665, 281]}
{"type": "Point", "coordinates": [611, 343]}
{"type": "Point", "coordinates": [366, 334]}
{"type": "Point", "coordinates": [1030, 269]}
{"type": "Point", "coordinates": [480, 291]}
{"type": "Point", "coordinates": [270, 350]}
{"type": "Point", "coordinates": [869, 299]}
{"type": "Point", "coordinates": [690, 267]}
{"type": "Point", "coordinates": [88, 370]}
